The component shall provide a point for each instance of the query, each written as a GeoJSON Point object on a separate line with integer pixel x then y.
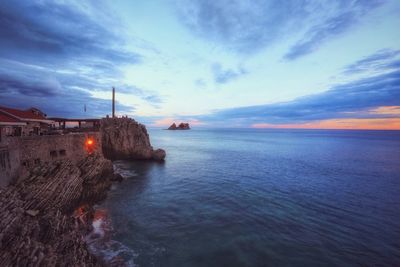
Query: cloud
{"type": "Point", "coordinates": [385, 59]}
{"type": "Point", "coordinates": [151, 97]}
{"type": "Point", "coordinates": [200, 83]}
{"type": "Point", "coordinates": [58, 31]}
{"type": "Point", "coordinates": [346, 16]}
{"type": "Point", "coordinates": [222, 75]}
{"type": "Point", "coordinates": [358, 99]}
{"type": "Point", "coordinates": [353, 124]}
{"type": "Point", "coordinates": [247, 26]}
{"type": "Point", "coordinates": [54, 53]}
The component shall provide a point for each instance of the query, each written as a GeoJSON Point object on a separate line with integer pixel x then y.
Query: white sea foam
{"type": "Point", "coordinates": [124, 169]}
{"type": "Point", "coordinates": [100, 243]}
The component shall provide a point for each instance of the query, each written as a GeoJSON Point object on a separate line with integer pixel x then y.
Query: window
{"type": "Point", "coordinates": [53, 153]}
{"type": "Point", "coordinates": [62, 152]}
{"type": "Point", "coordinates": [4, 159]}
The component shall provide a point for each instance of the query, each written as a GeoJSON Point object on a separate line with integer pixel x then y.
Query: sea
{"type": "Point", "coordinates": [256, 197]}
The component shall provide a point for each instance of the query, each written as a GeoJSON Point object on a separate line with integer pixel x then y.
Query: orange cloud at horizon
{"type": "Point", "coordinates": [386, 110]}
{"type": "Point", "coordinates": [345, 124]}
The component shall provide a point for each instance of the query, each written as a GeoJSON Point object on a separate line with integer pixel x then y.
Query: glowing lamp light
{"type": "Point", "coordinates": [89, 145]}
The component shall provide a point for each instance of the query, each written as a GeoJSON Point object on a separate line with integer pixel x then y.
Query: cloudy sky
{"type": "Point", "coordinates": [225, 63]}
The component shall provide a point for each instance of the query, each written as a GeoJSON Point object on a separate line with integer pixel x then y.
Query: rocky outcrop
{"type": "Point", "coordinates": [173, 127]}
{"type": "Point", "coordinates": [158, 154]}
{"type": "Point", "coordinates": [38, 224]}
{"type": "Point", "coordinates": [181, 126]}
{"type": "Point", "coordinates": [124, 138]}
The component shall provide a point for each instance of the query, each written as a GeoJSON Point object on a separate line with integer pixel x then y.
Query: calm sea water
{"type": "Point", "coordinates": [257, 198]}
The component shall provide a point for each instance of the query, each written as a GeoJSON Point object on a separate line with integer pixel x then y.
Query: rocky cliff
{"type": "Point", "coordinates": [38, 224]}
{"type": "Point", "coordinates": [124, 138]}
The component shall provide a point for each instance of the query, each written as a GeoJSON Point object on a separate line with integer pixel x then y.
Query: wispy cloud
{"type": "Point", "coordinates": [222, 75]}
{"type": "Point", "coordinates": [357, 99]}
{"type": "Point", "coordinates": [200, 83]}
{"type": "Point", "coordinates": [248, 26]}
{"type": "Point", "coordinates": [353, 124]}
{"type": "Point", "coordinates": [346, 15]}
{"type": "Point", "coordinates": [385, 59]}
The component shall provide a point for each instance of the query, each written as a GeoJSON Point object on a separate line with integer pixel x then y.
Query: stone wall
{"type": "Point", "coordinates": [21, 153]}
{"type": "Point", "coordinates": [10, 159]}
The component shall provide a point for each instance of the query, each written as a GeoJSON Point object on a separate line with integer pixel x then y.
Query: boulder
{"type": "Point", "coordinates": [158, 155]}
{"type": "Point", "coordinates": [172, 127]}
{"type": "Point", "coordinates": [117, 178]}
{"type": "Point", "coordinates": [184, 126]}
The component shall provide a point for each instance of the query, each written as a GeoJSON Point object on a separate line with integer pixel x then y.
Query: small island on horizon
{"type": "Point", "coordinates": [181, 126]}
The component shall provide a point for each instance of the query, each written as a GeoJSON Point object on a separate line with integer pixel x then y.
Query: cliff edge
{"type": "Point", "coordinates": [124, 138]}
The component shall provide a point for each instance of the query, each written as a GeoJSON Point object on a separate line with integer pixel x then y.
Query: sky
{"type": "Point", "coordinates": [213, 63]}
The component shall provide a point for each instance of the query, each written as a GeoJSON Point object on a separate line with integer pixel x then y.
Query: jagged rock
{"type": "Point", "coordinates": [182, 126]}
{"type": "Point", "coordinates": [172, 127]}
{"type": "Point", "coordinates": [37, 227]}
{"type": "Point", "coordinates": [124, 138]}
{"type": "Point", "coordinates": [158, 154]}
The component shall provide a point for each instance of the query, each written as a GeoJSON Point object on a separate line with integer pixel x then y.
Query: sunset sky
{"type": "Point", "coordinates": [237, 63]}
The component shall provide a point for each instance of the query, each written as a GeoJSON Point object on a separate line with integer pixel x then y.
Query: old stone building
{"type": "Point", "coordinates": [15, 122]}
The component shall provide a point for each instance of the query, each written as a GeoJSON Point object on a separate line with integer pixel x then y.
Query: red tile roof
{"type": "Point", "coordinates": [7, 118]}
{"type": "Point", "coordinates": [23, 114]}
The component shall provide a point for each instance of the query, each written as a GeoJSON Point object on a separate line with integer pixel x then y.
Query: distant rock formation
{"type": "Point", "coordinates": [182, 126]}
{"type": "Point", "coordinates": [172, 127]}
{"type": "Point", "coordinates": [39, 225]}
{"type": "Point", "coordinates": [124, 138]}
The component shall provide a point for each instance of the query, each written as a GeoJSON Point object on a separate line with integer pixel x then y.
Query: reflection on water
{"type": "Point", "coordinates": [260, 198]}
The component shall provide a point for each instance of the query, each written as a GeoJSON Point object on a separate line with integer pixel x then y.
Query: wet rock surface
{"type": "Point", "coordinates": [158, 155]}
{"type": "Point", "coordinates": [40, 224]}
{"type": "Point", "coordinates": [124, 138]}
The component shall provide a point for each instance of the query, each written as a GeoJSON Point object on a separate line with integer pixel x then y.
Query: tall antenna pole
{"type": "Point", "coordinates": [113, 102]}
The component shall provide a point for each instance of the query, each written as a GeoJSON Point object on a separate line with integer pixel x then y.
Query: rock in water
{"type": "Point", "coordinates": [182, 126]}
{"type": "Point", "coordinates": [172, 127]}
{"type": "Point", "coordinates": [117, 177]}
{"type": "Point", "coordinates": [158, 154]}
{"type": "Point", "coordinates": [124, 138]}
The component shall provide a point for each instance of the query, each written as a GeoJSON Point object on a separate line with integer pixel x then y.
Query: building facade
{"type": "Point", "coordinates": [15, 122]}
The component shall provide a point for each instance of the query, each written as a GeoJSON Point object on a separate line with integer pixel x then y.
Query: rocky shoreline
{"type": "Point", "coordinates": [42, 222]}
{"type": "Point", "coordinates": [46, 214]}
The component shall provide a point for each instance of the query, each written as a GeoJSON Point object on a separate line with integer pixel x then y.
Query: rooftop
{"type": "Point", "coordinates": [30, 114]}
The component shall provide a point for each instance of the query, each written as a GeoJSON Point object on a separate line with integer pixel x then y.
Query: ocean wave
{"type": "Point", "coordinates": [109, 251]}
{"type": "Point", "coordinates": [124, 169]}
